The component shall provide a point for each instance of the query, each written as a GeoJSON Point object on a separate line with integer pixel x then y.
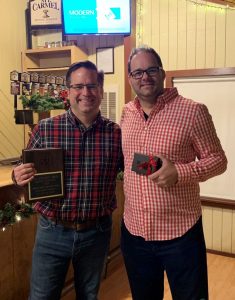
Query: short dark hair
{"type": "Point", "coordinates": [87, 65]}
{"type": "Point", "coordinates": [146, 49]}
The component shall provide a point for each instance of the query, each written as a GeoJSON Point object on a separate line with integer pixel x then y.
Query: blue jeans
{"type": "Point", "coordinates": [183, 259]}
{"type": "Point", "coordinates": [56, 246]}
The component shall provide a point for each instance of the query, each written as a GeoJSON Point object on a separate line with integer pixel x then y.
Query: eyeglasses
{"type": "Point", "coordinates": [80, 87]}
{"type": "Point", "coordinates": [138, 74]}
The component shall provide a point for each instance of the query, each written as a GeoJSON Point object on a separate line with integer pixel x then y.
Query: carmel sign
{"type": "Point", "coordinates": [45, 12]}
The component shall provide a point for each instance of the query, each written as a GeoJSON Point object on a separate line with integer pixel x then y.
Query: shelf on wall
{"type": "Point", "coordinates": [52, 59]}
{"type": "Point", "coordinates": [47, 69]}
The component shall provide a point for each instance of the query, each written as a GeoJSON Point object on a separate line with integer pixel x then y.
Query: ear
{"type": "Point", "coordinates": [101, 91]}
{"type": "Point", "coordinates": [163, 74]}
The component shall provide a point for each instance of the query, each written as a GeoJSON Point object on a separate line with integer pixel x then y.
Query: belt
{"type": "Point", "coordinates": [84, 225]}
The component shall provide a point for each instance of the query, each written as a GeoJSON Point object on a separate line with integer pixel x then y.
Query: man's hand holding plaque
{"type": "Point", "coordinates": [48, 182]}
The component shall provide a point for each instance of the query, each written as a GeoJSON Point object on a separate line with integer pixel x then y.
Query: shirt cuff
{"type": "Point", "coordinates": [13, 178]}
{"type": "Point", "coordinates": [184, 173]}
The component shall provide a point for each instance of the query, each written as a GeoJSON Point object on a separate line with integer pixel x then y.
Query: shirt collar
{"type": "Point", "coordinates": [168, 95]}
{"type": "Point", "coordinates": [75, 121]}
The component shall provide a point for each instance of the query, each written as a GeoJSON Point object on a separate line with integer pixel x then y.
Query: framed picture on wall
{"type": "Point", "coordinates": [45, 14]}
{"type": "Point", "coordinates": [105, 59]}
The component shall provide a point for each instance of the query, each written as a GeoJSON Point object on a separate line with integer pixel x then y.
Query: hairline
{"type": "Point", "coordinates": [87, 65]}
{"type": "Point", "coordinates": [143, 49]}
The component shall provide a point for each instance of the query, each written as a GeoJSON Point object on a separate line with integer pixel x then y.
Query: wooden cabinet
{"type": "Point", "coordinates": [54, 60]}
{"type": "Point", "coordinates": [16, 245]}
{"type": "Point", "coordinates": [117, 217]}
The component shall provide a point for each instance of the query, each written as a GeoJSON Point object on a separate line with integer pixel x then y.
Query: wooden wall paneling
{"type": "Point", "coordinates": [103, 41]}
{"type": "Point", "coordinates": [210, 38]}
{"type": "Point", "coordinates": [12, 44]}
{"type": "Point", "coordinates": [220, 40]}
{"type": "Point", "coordinates": [80, 40]}
{"type": "Point", "coordinates": [182, 40]}
{"type": "Point", "coordinates": [139, 23]}
{"type": "Point", "coordinates": [119, 62]}
{"type": "Point", "coordinates": [119, 54]}
{"type": "Point", "coordinates": [5, 149]}
{"type": "Point", "coordinates": [173, 35]}
{"type": "Point", "coordinates": [164, 32]}
{"type": "Point", "coordinates": [90, 44]}
{"type": "Point", "coordinates": [23, 241]}
{"type": "Point", "coordinates": [110, 41]}
{"type": "Point", "coordinates": [227, 230]}
{"type": "Point", "coordinates": [207, 27]}
{"type": "Point", "coordinates": [230, 38]}
{"type": "Point", "coordinates": [10, 146]}
{"type": "Point", "coordinates": [120, 68]}
{"type": "Point", "coordinates": [10, 130]}
{"type": "Point", "coordinates": [191, 35]}
{"type": "Point", "coordinates": [217, 214]}
{"type": "Point", "coordinates": [147, 22]}
{"type": "Point", "coordinates": [155, 43]}
{"type": "Point", "coordinates": [119, 41]}
{"type": "Point", "coordinates": [6, 264]}
{"type": "Point", "coordinates": [129, 43]}
{"type": "Point", "coordinates": [233, 232]}
{"type": "Point", "coordinates": [200, 38]}
{"type": "Point", "coordinates": [207, 219]}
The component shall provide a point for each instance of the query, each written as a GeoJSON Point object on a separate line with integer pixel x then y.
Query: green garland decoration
{"type": "Point", "coordinates": [41, 103]}
{"type": "Point", "coordinates": [10, 213]}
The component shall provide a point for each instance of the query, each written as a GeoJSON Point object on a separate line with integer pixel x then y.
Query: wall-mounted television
{"type": "Point", "coordinates": [96, 17]}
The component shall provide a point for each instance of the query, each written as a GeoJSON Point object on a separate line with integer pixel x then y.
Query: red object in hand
{"type": "Point", "coordinates": [150, 166]}
{"type": "Point", "coordinates": [145, 164]}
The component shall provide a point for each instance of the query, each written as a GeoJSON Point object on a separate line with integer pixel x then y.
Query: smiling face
{"type": "Point", "coordinates": [150, 86]}
{"type": "Point", "coordinates": [85, 94]}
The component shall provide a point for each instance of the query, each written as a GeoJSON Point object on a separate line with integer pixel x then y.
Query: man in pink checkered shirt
{"type": "Point", "coordinates": [162, 228]}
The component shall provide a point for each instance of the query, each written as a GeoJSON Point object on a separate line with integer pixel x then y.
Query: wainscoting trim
{"type": "Point", "coordinates": [216, 202]}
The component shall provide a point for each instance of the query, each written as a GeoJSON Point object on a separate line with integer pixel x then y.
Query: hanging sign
{"type": "Point", "coordinates": [45, 13]}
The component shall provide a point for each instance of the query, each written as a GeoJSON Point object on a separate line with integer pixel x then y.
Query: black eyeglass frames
{"type": "Point", "coordinates": [138, 74]}
{"type": "Point", "coordinates": [80, 87]}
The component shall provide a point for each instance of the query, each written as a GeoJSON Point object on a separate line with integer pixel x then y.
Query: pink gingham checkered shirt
{"type": "Point", "coordinates": [183, 131]}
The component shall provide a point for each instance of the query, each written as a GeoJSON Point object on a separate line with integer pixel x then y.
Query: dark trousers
{"type": "Point", "coordinates": [183, 259]}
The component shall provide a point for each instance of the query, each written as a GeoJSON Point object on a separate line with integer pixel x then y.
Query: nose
{"type": "Point", "coordinates": [85, 90]}
{"type": "Point", "coordinates": [145, 74]}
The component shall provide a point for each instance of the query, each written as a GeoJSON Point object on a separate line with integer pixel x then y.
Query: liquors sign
{"type": "Point", "coordinates": [45, 12]}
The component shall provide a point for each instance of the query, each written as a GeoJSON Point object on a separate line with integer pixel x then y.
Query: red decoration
{"type": "Point", "coordinates": [64, 96]}
{"type": "Point", "coordinates": [150, 166]}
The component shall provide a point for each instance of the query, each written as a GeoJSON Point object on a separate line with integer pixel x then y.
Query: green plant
{"type": "Point", "coordinates": [120, 175]}
{"type": "Point", "coordinates": [37, 102]}
{"type": "Point", "coordinates": [10, 214]}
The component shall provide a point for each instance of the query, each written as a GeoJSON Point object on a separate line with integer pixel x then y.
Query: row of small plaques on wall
{"type": "Point", "coordinates": [23, 83]}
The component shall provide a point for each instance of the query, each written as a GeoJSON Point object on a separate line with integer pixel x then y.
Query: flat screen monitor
{"type": "Point", "coordinates": [96, 17]}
